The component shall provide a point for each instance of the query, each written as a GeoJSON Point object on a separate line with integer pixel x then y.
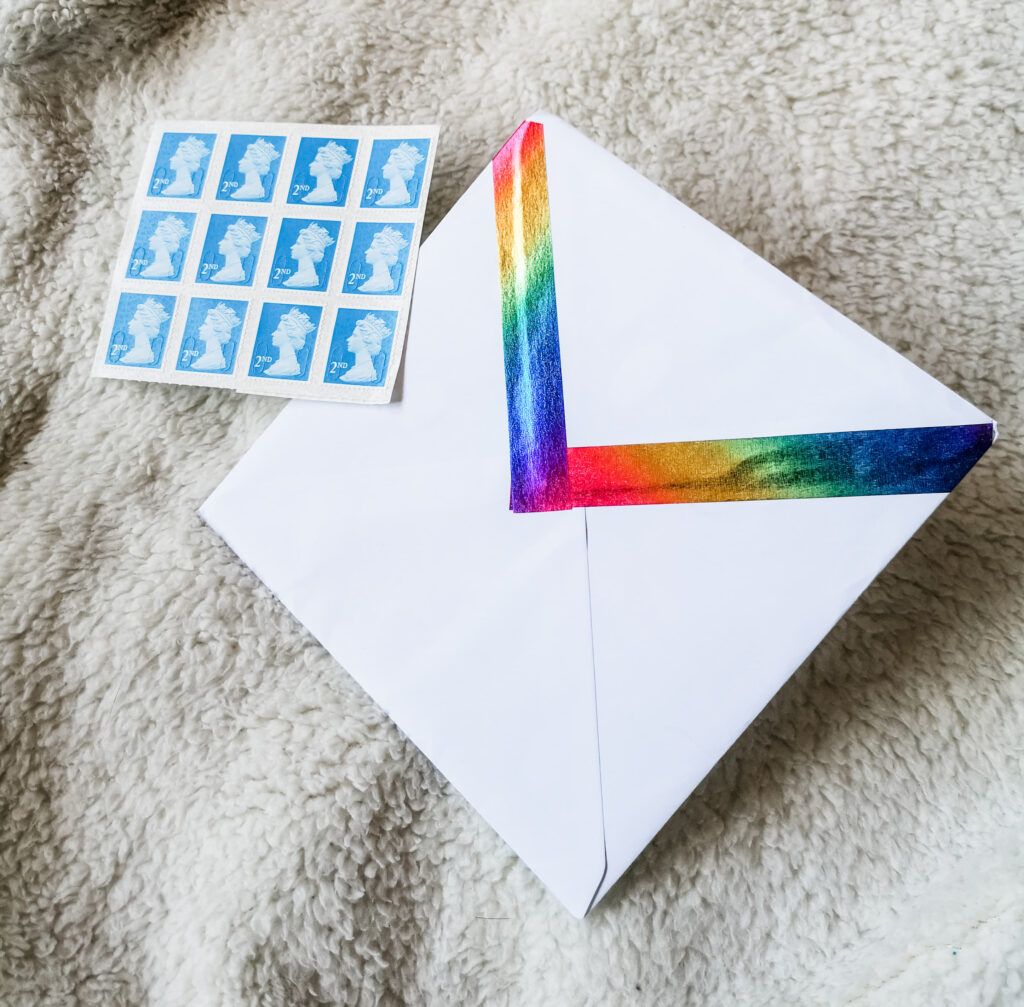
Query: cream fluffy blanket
{"type": "Point", "coordinates": [198, 807]}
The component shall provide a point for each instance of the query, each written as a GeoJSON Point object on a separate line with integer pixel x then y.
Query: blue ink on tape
{"type": "Point", "coordinates": [161, 243]}
{"type": "Point", "coordinates": [285, 340]}
{"type": "Point", "coordinates": [376, 264]}
{"type": "Point", "coordinates": [304, 254]}
{"type": "Point", "coordinates": [323, 171]}
{"type": "Point", "coordinates": [394, 176]}
{"type": "Point", "coordinates": [231, 249]}
{"type": "Point", "coordinates": [360, 347]}
{"type": "Point", "coordinates": [182, 162]}
{"type": "Point", "coordinates": [209, 342]}
{"type": "Point", "coordinates": [139, 334]}
{"type": "Point", "coordinates": [251, 167]}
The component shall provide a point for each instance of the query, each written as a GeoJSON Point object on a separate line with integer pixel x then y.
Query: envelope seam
{"type": "Point", "coordinates": [597, 719]}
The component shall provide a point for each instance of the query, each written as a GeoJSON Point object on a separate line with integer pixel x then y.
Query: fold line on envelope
{"type": "Point", "coordinates": [597, 718]}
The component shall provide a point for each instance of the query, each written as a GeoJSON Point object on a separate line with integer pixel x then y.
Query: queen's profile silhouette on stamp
{"type": "Point", "coordinates": [144, 327]}
{"type": "Point", "coordinates": [310, 244]}
{"type": "Point", "coordinates": [326, 168]}
{"type": "Point", "coordinates": [289, 337]}
{"type": "Point", "coordinates": [185, 162]}
{"type": "Point", "coordinates": [399, 169]}
{"type": "Point", "coordinates": [236, 244]}
{"type": "Point", "coordinates": [165, 240]}
{"type": "Point", "coordinates": [215, 332]}
{"type": "Point", "coordinates": [382, 255]}
{"type": "Point", "coordinates": [368, 334]}
{"type": "Point", "coordinates": [254, 164]}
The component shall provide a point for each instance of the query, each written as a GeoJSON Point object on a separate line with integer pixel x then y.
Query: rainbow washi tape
{"type": "Point", "coordinates": [800, 466]}
{"type": "Point", "coordinates": [529, 321]}
{"type": "Point", "coordinates": [548, 475]}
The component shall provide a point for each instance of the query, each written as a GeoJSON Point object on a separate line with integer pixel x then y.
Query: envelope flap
{"type": "Point", "coordinates": [387, 533]}
{"type": "Point", "coordinates": [671, 330]}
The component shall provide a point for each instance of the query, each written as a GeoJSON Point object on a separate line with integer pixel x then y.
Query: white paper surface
{"type": "Point", "coordinates": [701, 612]}
{"type": "Point", "coordinates": [484, 634]}
{"type": "Point", "coordinates": [469, 625]}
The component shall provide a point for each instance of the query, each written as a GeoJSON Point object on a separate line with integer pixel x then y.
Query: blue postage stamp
{"type": "Point", "coordinates": [182, 161]}
{"type": "Point", "coordinates": [304, 254]}
{"type": "Point", "coordinates": [139, 335]}
{"type": "Point", "coordinates": [360, 347]}
{"type": "Point", "coordinates": [231, 249]}
{"type": "Point", "coordinates": [209, 343]}
{"type": "Point", "coordinates": [394, 176]}
{"type": "Point", "coordinates": [251, 166]}
{"type": "Point", "coordinates": [285, 341]}
{"type": "Point", "coordinates": [376, 264]}
{"type": "Point", "coordinates": [161, 243]}
{"type": "Point", "coordinates": [323, 170]}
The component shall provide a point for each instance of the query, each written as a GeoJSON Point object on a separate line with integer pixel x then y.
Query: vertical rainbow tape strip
{"type": "Point", "coordinates": [549, 475]}
{"type": "Point", "coordinates": [529, 319]}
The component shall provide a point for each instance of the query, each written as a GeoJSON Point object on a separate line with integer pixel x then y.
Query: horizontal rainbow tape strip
{"type": "Point", "coordinates": [799, 466]}
{"type": "Point", "coordinates": [529, 321]}
{"type": "Point", "coordinates": [549, 475]}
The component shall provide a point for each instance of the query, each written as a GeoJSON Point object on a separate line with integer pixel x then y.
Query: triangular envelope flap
{"type": "Point", "coordinates": [387, 532]}
{"type": "Point", "coordinates": [700, 614]}
{"type": "Point", "coordinates": [670, 330]}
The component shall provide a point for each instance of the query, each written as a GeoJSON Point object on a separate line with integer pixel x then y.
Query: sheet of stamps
{"type": "Point", "coordinates": [270, 258]}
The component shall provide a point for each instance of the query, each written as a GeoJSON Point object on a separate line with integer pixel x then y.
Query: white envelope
{"type": "Point", "coordinates": [576, 673]}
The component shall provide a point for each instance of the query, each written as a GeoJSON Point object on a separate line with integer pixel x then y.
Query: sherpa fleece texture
{"type": "Point", "coordinates": [199, 807]}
